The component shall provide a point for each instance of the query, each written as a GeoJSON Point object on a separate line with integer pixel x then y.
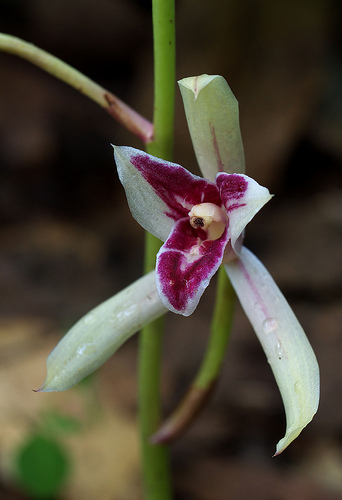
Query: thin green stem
{"type": "Point", "coordinates": [120, 111]}
{"type": "Point", "coordinates": [163, 12]}
{"type": "Point", "coordinates": [221, 326]}
{"type": "Point", "coordinates": [155, 460]}
{"type": "Point", "coordinates": [207, 376]}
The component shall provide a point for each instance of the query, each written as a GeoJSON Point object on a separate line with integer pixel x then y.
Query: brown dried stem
{"type": "Point", "coordinates": [120, 111]}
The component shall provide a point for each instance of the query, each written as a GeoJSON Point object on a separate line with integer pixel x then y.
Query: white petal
{"type": "Point", "coordinates": [243, 203]}
{"type": "Point", "coordinates": [285, 344]}
{"type": "Point", "coordinates": [212, 113]}
{"type": "Point", "coordinates": [95, 337]}
{"type": "Point", "coordinates": [145, 205]}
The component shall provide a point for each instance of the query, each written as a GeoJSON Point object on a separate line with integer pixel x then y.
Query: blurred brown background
{"type": "Point", "coordinates": [67, 240]}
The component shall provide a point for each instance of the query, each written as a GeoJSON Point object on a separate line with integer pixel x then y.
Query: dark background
{"type": "Point", "coordinates": [67, 240]}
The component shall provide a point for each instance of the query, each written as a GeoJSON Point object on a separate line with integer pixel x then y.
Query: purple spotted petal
{"type": "Point", "coordinates": [160, 192]}
{"type": "Point", "coordinates": [243, 197]}
{"type": "Point", "coordinates": [185, 264]}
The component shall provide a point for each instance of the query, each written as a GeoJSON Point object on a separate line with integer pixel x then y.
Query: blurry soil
{"type": "Point", "coordinates": [68, 241]}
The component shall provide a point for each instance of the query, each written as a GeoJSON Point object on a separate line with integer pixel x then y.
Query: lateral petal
{"type": "Point", "coordinates": [242, 197]}
{"type": "Point", "coordinates": [185, 264]}
{"type": "Point", "coordinates": [212, 113]}
{"type": "Point", "coordinates": [95, 337]}
{"type": "Point", "coordinates": [160, 192]}
{"type": "Point", "coordinates": [285, 344]}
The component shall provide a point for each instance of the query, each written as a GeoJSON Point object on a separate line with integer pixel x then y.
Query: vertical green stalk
{"type": "Point", "coordinates": [204, 383]}
{"type": "Point", "coordinates": [221, 326]}
{"type": "Point", "coordinates": [163, 17]}
{"type": "Point", "coordinates": [155, 460]}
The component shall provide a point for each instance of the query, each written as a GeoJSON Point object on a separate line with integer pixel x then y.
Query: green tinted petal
{"type": "Point", "coordinates": [286, 346]}
{"type": "Point", "coordinates": [95, 337]}
{"type": "Point", "coordinates": [212, 113]}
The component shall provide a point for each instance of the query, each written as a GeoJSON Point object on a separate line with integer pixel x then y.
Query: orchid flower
{"type": "Point", "coordinates": [201, 222]}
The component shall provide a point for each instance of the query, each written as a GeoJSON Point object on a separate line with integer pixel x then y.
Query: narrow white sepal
{"type": "Point", "coordinates": [212, 113]}
{"type": "Point", "coordinates": [95, 337]}
{"type": "Point", "coordinates": [285, 344]}
{"type": "Point", "coordinates": [145, 205]}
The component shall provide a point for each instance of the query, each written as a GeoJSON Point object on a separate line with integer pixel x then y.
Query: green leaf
{"type": "Point", "coordinates": [42, 467]}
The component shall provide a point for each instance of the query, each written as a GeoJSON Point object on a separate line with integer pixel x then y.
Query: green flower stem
{"type": "Point", "coordinates": [205, 381]}
{"type": "Point", "coordinates": [221, 326]}
{"type": "Point", "coordinates": [155, 459]}
{"type": "Point", "coordinates": [163, 12]}
{"type": "Point", "coordinates": [120, 111]}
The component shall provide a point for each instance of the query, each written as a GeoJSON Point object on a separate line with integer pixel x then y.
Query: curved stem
{"type": "Point", "coordinates": [207, 376]}
{"type": "Point", "coordinates": [120, 111]}
{"type": "Point", "coordinates": [155, 460]}
{"type": "Point", "coordinates": [221, 326]}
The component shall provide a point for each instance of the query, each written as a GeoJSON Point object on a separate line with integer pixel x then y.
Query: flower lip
{"type": "Point", "coordinates": [209, 217]}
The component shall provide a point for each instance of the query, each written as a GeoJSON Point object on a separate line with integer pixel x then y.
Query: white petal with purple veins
{"type": "Point", "coordinates": [160, 192]}
{"type": "Point", "coordinates": [145, 205]}
{"type": "Point", "coordinates": [242, 197]}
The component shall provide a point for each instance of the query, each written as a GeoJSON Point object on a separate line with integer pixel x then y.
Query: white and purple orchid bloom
{"type": "Point", "coordinates": [201, 221]}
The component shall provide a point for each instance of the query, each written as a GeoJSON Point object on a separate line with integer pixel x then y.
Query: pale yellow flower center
{"type": "Point", "coordinates": [210, 218]}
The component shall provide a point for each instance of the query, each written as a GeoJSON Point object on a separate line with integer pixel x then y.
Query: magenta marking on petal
{"type": "Point", "coordinates": [185, 265]}
{"type": "Point", "coordinates": [234, 206]}
{"type": "Point", "coordinates": [177, 187]}
{"type": "Point", "coordinates": [196, 80]}
{"type": "Point", "coordinates": [258, 299]}
{"type": "Point", "coordinates": [216, 148]}
{"type": "Point", "coordinates": [232, 188]}
{"type": "Point", "coordinates": [184, 237]}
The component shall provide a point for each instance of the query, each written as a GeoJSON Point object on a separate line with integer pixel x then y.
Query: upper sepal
{"type": "Point", "coordinates": [212, 113]}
